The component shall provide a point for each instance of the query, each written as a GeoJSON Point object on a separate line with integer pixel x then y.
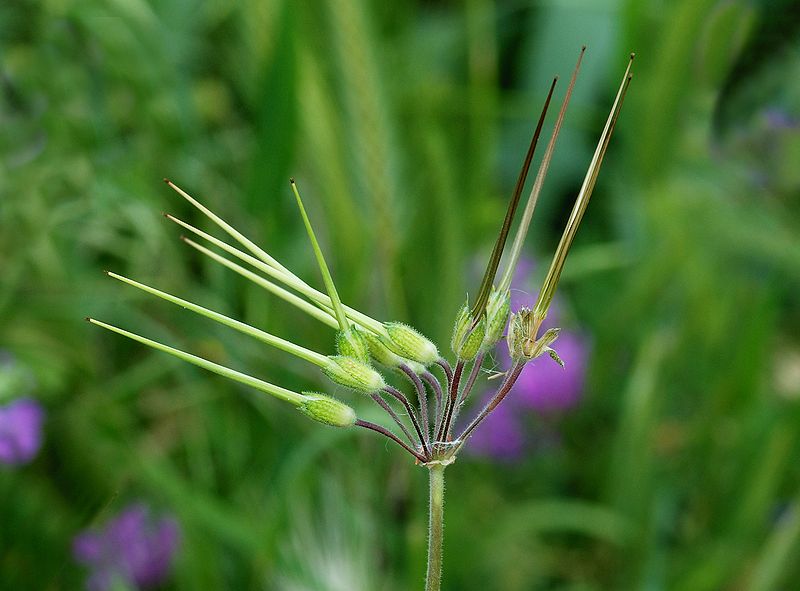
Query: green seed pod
{"type": "Point", "coordinates": [497, 311]}
{"type": "Point", "coordinates": [327, 410]}
{"type": "Point", "coordinates": [407, 342]}
{"type": "Point", "coordinates": [352, 343]}
{"type": "Point", "coordinates": [466, 343]}
{"type": "Point", "coordinates": [354, 374]}
{"type": "Point", "coordinates": [380, 352]}
{"type": "Point", "coordinates": [463, 322]}
{"type": "Point", "coordinates": [473, 342]}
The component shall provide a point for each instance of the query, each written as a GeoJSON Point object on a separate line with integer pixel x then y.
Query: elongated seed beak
{"type": "Point", "coordinates": [538, 183]}
{"type": "Point", "coordinates": [497, 253]}
{"type": "Point", "coordinates": [265, 337]}
{"type": "Point", "coordinates": [282, 393]}
{"type": "Point", "coordinates": [554, 273]}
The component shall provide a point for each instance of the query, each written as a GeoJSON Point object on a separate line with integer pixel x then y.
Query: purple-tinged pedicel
{"type": "Point", "coordinates": [134, 547]}
{"type": "Point", "coordinates": [501, 435]}
{"type": "Point", "coordinates": [546, 387]}
{"type": "Point", "coordinates": [20, 431]}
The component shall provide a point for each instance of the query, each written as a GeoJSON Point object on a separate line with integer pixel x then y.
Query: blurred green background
{"type": "Point", "coordinates": [405, 124]}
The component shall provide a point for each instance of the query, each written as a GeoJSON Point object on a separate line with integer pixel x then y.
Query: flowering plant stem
{"type": "Point", "coordinates": [362, 339]}
{"type": "Point", "coordinates": [433, 580]}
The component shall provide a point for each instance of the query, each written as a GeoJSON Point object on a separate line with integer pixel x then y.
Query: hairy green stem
{"type": "Point", "coordinates": [433, 579]}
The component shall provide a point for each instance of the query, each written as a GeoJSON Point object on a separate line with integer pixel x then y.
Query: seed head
{"type": "Point", "coordinates": [352, 343]}
{"type": "Point", "coordinates": [408, 342]}
{"type": "Point", "coordinates": [467, 336]}
{"type": "Point", "coordinates": [327, 410]}
{"type": "Point", "coordinates": [497, 311]}
{"type": "Point", "coordinates": [354, 374]}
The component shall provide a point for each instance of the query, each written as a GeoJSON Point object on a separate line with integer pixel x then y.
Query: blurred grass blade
{"type": "Point", "coordinates": [779, 554]}
{"type": "Point", "coordinates": [565, 515]}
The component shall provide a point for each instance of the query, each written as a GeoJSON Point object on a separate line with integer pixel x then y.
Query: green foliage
{"type": "Point", "coordinates": [404, 122]}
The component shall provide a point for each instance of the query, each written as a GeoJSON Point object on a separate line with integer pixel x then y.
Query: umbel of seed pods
{"type": "Point", "coordinates": [362, 343]}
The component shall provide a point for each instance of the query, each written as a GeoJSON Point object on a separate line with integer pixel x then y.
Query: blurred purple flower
{"type": "Point", "coordinates": [545, 386]}
{"type": "Point", "coordinates": [134, 548]}
{"type": "Point", "coordinates": [777, 118]}
{"type": "Point", "coordinates": [20, 430]}
{"type": "Point", "coordinates": [501, 435]}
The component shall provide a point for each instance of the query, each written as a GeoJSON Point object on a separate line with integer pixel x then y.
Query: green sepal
{"type": "Point", "coordinates": [467, 338]}
{"type": "Point", "coordinates": [327, 410]}
{"type": "Point", "coordinates": [410, 343]}
{"type": "Point", "coordinates": [497, 311]}
{"type": "Point", "coordinates": [352, 373]}
{"type": "Point", "coordinates": [519, 330]}
{"type": "Point", "coordinates": [352, 343]}
{"type": "Point", "coordinates": [463, 322]}
{"type": "Point", "coordinates": [417, 368]}
{"type": "Point", "coordinates": [381, 352]}
{"type": "Point", "coordinates": [521, 345]}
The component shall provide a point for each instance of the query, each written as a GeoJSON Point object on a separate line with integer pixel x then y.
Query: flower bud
{"type": "Point", "coordinates": [497, 311]}
{"type": "Point", "coordinates": [466, 340]}
{"type": "Point", "coordinates": [353, 373]}
{"type": "Point", "coordinates": [407, 342]}
{"type": "Point", "coordinates": [327, 410]}
{"type": "Point", "coordinates": [352, 343]}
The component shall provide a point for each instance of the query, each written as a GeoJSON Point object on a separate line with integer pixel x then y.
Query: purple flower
{"type": "Point", "coordinates": [20, 430]}
{"type": "Point", "coordinates": [134, 548]}
{"type": "Point", "coordinates": [501, 434]}
{"type": "Point", "coordinates": [777, 118]}
{"type": "Point", "coordinates": [545, 386]}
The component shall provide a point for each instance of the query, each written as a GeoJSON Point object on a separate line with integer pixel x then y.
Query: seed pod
{"type": "Point", "coordinates": [354, 374]}
{"type": "Point", "coordinates": [467, 340]}
{"type": "Point", "coordinates": [352, 343]}
{"type": "Point", "coordinates": [497, 311]}
{"type": "Point", "coordinates": [380, 352]}
{"type": "Point", "coordinates": [463, 322]}
{"type": "Point", "coordinates": [408, 342]}
{"type": "Point", "coordinates": [327, 410]}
